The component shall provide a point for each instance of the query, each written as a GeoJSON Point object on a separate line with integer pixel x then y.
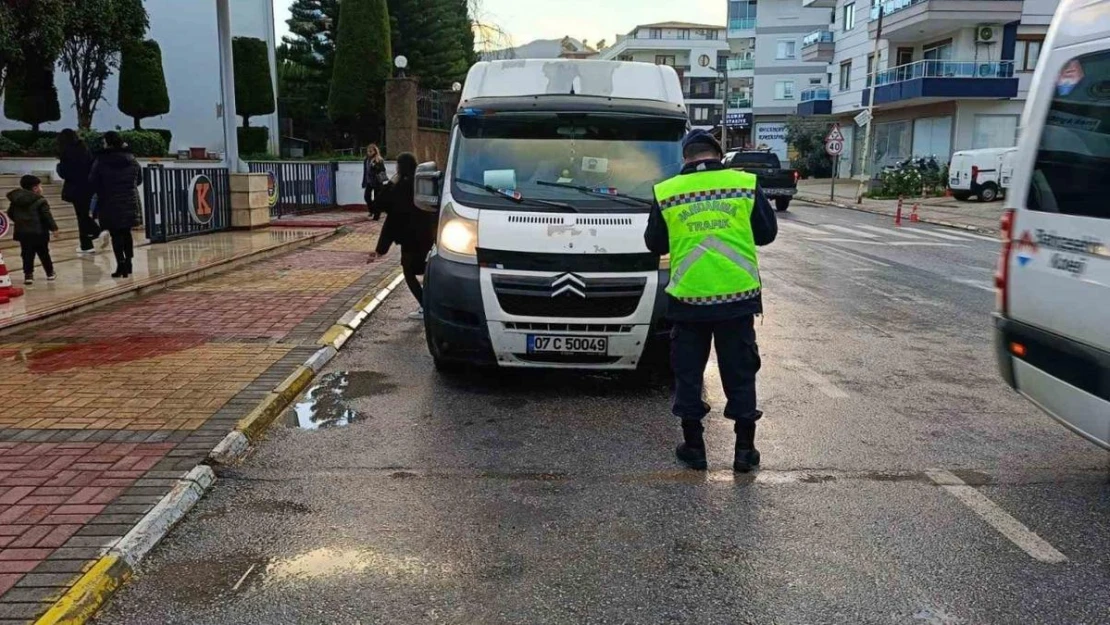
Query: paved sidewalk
{"type": "Point", "coordinates": [87, 279]}
{"type": "Point", "coordinates": [944, 211]}
{"type": "Point", "coordinates": [104, 410]}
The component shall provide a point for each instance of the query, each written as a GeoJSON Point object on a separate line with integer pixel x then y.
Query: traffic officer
{"type": "Point", "coordinates": [710, 219]}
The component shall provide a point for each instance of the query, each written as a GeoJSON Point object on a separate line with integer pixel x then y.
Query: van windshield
{"type": "Point", "coordinates": [1074, 154]}
{"type": "Point", "coordinates": [526, 153]}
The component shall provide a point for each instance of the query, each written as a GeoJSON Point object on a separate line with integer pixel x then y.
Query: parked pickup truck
{"type": "Point", "coordinates": [778, 184]}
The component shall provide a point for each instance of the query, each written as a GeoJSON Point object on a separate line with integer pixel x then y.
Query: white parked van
{"type": "Point", "coordinates": [540, 259]}
{"type": "Point", "coordinates": [982, 173]}
{"type": "Point", "coordinates": [1053, 323]}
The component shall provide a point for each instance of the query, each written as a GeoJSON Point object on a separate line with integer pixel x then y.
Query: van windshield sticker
{"type": "Point", "coordinates": [1069, 120]}
{"type": "Point", "coordinates": [1070, 77]}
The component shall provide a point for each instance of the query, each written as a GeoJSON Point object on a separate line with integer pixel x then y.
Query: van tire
{"type": "Point", "coordinates": [988, 193]}
{"type": "Point", "coordinates": [781, 204]}
{"type": "Point", "coordinates": [961, 196]}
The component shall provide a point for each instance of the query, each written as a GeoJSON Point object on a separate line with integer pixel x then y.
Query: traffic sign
{"type": "Point", "coordinates": [835, 134]}
{"type": "Point", "coordinates": [834, 148]}
{"type": "Point", "coordinates": [863, 118]}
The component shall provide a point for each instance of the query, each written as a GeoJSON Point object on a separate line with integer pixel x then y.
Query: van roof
{"type": "Point", "coordinates": [533, 77]}
{"type": "Point", "coordinates": [1078, 21]}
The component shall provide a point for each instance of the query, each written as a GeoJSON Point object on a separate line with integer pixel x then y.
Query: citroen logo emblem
{"type": "Point", "coordinates": [568, 283]}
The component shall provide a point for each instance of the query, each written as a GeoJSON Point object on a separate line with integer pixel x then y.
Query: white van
{"type": "Point", "coordinates": [982, 173]}
{"type": "Point", "coordinates": [1053, 323]}
{"type": "Point", "coordinates": [540, 259]}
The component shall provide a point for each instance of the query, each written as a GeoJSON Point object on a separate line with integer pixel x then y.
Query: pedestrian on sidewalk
{"type": "Point", "coordinates": [710, 219]}
{"type": "Point", "coordinates": [30, 215]}
{"type": "Point", "coordinates": [74, 164]}
{"type": "Point", "coordinates": [407, 225]}
{"type": "Point", "coordinates": [373, 178]}
{"type": "Point", "coordinates": [115, 179]}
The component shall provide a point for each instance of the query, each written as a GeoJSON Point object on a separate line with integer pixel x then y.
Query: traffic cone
{"type": "Point", "coordinates": [7, 291]}
{"type": "Point", "coordinates": [898, 213]}
{"type": "Point", "coordinates": [913, 215]}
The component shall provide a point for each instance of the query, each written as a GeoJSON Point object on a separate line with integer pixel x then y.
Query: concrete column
{"type": "Point", "coordinates": [400, 116]}
{"type": "Point", "coordinates": [250, 206]}
{"type": "Point", "coordinates": [227, 76]}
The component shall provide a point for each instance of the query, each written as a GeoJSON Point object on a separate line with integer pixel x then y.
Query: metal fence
{"type": "Point", "coordinates": [433, 109]}
{"type": "Point", "coordinates": [181, 203]}
{"type": "Point", "coordinates": [301, 186]}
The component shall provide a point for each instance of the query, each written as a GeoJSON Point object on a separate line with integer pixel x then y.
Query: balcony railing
{"type": "Point", "coordinates": [738, 65]}
{"type": "Point", "coordinates": [707, 95]}
{"type": "Point", "coordinates": [892, 6]}
{"type": "Point", "coordinates": [816, 37]}
{"type": "Point", "coordinates": [740, 102]}
{"type": "Point", "coordinates": [816, 94]}
{"type": "Point", "coordinates": [742, 23]}
{"type": "Point", "coordinates": [945, 69]}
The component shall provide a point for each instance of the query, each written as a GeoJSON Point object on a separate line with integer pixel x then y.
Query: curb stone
{"type": "Point", "coordinates": [863, 209]}
{"type": "Point", "coordinates": [93, 589]}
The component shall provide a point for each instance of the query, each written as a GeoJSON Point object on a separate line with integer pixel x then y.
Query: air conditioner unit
{"type": "Point", "coordinates": [988, 33]}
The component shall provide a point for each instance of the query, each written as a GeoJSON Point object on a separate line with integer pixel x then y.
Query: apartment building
{"type": "Point", "coordinates": [770, 35]}
{"type": "Point", "coordinates": [949, 74]}
{"type": "Point", "coordinates": [698, 52]}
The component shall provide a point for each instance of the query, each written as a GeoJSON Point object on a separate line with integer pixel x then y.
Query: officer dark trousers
{"type": "Point", "coordinates": [738, 362]}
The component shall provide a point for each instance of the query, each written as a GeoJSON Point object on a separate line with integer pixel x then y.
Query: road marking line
{"type": "Point", "coordinates": [979, 284]}
{"type": "Point", "coordinates": [892, 232]}
{"type": "Point", "coordinates": [855, 233]}
{"type": "Point", "coordinates": [799, 227]}
{"type": "Point", "coordinates": [835, 251]}
{"type": "Point", "coordinates": [972, 235]}
{"type": "Point", "coordinates": [923, 244]}
{"type": "Point", "coordinates": [996, 517]}
{"type": "Point", "coordinates": [827, 239]}
{"type": "Point", "coordinates": [822, 383]}
{"type": "Point", "coordinates": [939, 235]}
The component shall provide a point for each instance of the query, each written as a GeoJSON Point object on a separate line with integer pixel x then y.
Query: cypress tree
{"type": "Point", "coordinates": [254, 86]}
{"type": "Point", "coordinates": [31, 96]}
{"type": "Point", "coordinates": [142, 82]}
{"type": "Point", "coordinates": [363, 61]}
{"type": "Point", "coordinates": [437, 37]}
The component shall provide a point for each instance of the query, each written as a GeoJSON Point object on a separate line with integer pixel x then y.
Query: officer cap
{"type": "Point", "coordinates": [695, 137]}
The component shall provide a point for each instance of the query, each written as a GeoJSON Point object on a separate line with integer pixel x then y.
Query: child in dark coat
{"type": "Point", "coordinates": [30, 215]}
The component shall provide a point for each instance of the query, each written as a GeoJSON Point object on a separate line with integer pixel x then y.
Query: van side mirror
{"type": "Point", "coordinates": [429, 183]}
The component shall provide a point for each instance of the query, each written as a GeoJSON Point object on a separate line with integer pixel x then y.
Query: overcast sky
{"type": "Point", "coordinates": [526, 20]}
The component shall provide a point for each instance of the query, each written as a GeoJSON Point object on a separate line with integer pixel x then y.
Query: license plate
{"type": "Point", "coordinates": [954, 180]}
{"type": "Point", "coordinates": [779, 192]}
{"type": "Point", "coordinates": [548, 344]}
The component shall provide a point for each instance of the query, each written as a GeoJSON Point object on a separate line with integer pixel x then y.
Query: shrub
{"type": "Point", "coordinates": [44, 146]}
{"type": "Point", "coordinates": [254, 86]}
{"type": "Point", "coordinates": [142, 82]}
{"type": "Point", "coordinates": [31, 96]}
{"type": "Point", "coordinates": [254, 140]}
{"type": "Point", "coordinates": [167, 136]}
{"type": "Point", "coordinates": [26, 138]}
{"type": "Point", "coordinates": [92, 138]}
{"type": "Point", "coordinates": [9, 147]}
{"type": "Point", "coordinates": [144, 142]}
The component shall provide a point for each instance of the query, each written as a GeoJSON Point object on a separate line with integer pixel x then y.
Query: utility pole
{"type": "Point", "coordinates": [873, 76]}
{"type": "Point", "coordinates": [724, 109]}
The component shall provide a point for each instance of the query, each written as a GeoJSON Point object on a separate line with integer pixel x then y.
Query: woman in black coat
{"type": "Point", "coordinates": [373, 178]}
{"type": "Point", "coordinates": [74, 165]}
{"type": "Point", "coordinates": [115, 180]}
{"type": "Point", "coordinates": [408, 226]}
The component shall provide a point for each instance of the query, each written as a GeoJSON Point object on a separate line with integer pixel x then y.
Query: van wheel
{"type": "Point", "coordinates": [961, 196]}
{"type": "Point", "coordinates": [782, 203]}
{"type": "Point", "coordinates": [988, 193]}
{"type": "Point", "coordinates": [442, 365]}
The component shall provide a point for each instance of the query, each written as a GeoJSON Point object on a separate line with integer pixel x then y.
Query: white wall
{"type": "Point", "coordinates": [784, 20]}
{"type": "Point", "coordinates": [1038, 12]}
{"type": "Point", "coordinates": [965, 118]}
{"type": "Point", "coordinates": [186, 32]}
{"type": "Point", "coordinates": [854, 44]}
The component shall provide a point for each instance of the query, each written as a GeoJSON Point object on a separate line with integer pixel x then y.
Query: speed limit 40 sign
{"type": "Point", "coordinates": [834, 141]}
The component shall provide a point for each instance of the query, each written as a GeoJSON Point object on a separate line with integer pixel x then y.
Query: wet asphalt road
{"type": "Point", "coordinates": [524, 497]}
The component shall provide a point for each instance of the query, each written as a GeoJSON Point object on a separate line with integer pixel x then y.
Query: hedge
{"type": "Point", "coordinates": [9, 147]}
{"type": "Point", "coordinates": [167, 136]}
{"type": "Point", "coordinates": [26, 138]}
{"type": "Point", "coordinates": [254, 140]}
{"type": "Point", "coordinates": [144, 142]}
{"type": "Point", "coordinates": [254, 86]}
{"type": "Point", "coordinates": [142, 82]}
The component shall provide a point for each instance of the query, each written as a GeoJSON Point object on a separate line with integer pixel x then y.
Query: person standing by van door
{"type": "Point", "coordinates": [710, 220]}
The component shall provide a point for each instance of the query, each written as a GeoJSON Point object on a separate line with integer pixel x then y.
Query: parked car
{"type": "Point", "coordinates": [778, 184]}
{"type": "Point", "coordinates": [1053, 342]}
{"type": "Point", "coordinates": [983, 173]}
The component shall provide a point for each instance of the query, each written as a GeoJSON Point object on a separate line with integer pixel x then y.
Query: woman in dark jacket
{"type": "Point", "coordinates": [373, 178]}
{"type": "Point", "coordinates": [74, 164]}
{"type": "Point", "coordinates": [408, 226]}
{"type": "Point", "coordinates": [115, 180]}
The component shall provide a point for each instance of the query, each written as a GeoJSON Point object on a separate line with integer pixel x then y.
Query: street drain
{"type": "Point", "coordinates": [325, 404]}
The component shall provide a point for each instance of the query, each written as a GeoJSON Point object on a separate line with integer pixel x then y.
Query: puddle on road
{"type": "Point", "coordinates": [326, 403]}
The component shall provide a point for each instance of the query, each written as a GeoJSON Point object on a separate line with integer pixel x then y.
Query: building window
{"type": "Point", "coordinates": [784, 90]}
{"type": "Point", "coordinates": [624, 57]}
{"type": "Point", "coordinates": [870, 68]}
{"type": "Point", "coordinates": [815, 82]}
{"type": "Point", "coordinates": [684, 33]}
{"type": "Point", "coordinates": [845, 75]}
{"type": "Point", "coordinates": [932, 136]}
{"type": "Point", "coordinates": [1026, 54]}
{"type": "Point", "coordinates": [849, 16]}
{"type": "Point", "coordinates": [664, 60]}
{"type": "Point", "coordinates": [940, 51]}
{"type": "Point", "coordinates": [712, 34]}
{"type": "Point", "coordinates": [994, 131]}
{"type": "Point", "coordinates": [655, 33]}
{"type": "Point", "coordinates": [786, 49]}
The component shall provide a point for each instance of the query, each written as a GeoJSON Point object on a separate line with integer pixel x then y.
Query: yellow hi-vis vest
{"type": "Point", "coordinates": [713, 255]}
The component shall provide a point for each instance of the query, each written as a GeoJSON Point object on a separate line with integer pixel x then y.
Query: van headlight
{"type": "Point", "coordinates": [458, 236]}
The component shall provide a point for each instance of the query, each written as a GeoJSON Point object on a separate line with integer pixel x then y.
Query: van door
{"type": "Point", "coordinates": [1059, 271]}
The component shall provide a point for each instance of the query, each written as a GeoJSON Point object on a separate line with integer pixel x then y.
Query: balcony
{"type": "Point", "coordinates": [743, 101]}
{"type": "Point", "coordinates": [944, 80]}
{"type": "Point", "coordinates": [709, 96]}
{"type": "Point", "coordinates": [816, 101]}
{"type": "Point", "coordinates": [819, 4]}
{"type": "Point", "coordinates": [738, 67]}
{"type": "Point", "coordinates": [818, 46]}
{"type": "Point", "coordinates": [741, 27]}
{"type": "Point", "coordinates": [910, 21]}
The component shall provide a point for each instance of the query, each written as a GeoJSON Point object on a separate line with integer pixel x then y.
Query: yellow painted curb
{"type": "Point", "coordinates": [336, 336]}
{"type": "Point", "coordinates": [84, 598]}
{"type": "Point", "coordinates": [255, 423]}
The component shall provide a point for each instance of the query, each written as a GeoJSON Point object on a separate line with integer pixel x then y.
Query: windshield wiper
{"type": "Point", "coordinates": [515, 196]}
{"type": "Point", "coordinates": [592, 191]}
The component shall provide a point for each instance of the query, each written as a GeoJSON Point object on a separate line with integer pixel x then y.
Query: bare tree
{"type": "Point", "coordinates": [492, 41]}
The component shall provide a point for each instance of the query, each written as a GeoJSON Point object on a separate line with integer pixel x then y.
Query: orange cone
{"type": "Point", "coordinates": [913, 215]}
{"type": "Point", "coordinates": [7, 291]}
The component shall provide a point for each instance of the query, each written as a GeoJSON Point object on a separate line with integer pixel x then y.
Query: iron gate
{"type": "Point", "coordinates": [179, 203]}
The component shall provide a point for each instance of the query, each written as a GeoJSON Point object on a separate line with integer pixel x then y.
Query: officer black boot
{"type": "Point", "coordinates": [747, 456]}
{"type": "Point", "coordinates": [692, 450]}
